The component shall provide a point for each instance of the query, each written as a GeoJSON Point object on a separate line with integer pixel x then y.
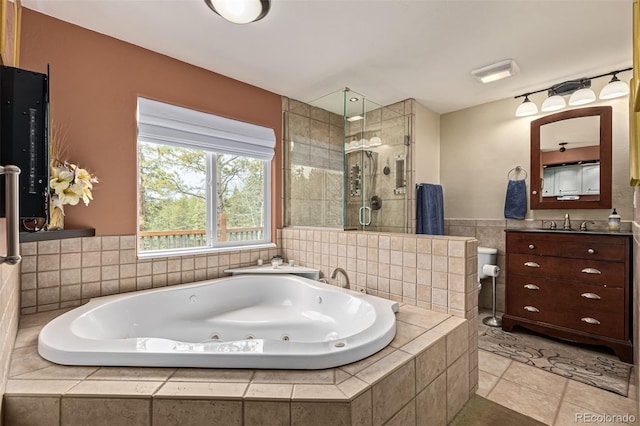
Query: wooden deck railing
{"type": "Point", "coordinates": [158, 240]}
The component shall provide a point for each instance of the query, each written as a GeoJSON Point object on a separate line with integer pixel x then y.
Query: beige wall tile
{"type": "Point", "coordinates": [266, 413]}
{"type": "Point", "coordinates": [393, 392]}
{"type": "Point", "coordinates": [457, 386]}
{"type": "Point", "coordinates": [320, 413]}
{"type": "Point", "coordinates": [431, 403]}
{"type": "Point", "coordinates": [430, 364]}
{"type": "Point", "coordinates": [406, 416]}
{"type": "Point", "coordinates": [224, 390]}
{"type": "Point", "coordinates": [192, 412]}
{"type": "Point", "coordinates": [105, 411]}
{"type": "Point", "coordinates": [29, 411]}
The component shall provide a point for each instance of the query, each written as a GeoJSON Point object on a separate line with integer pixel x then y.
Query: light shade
{"type": "Point", "coordinates": [553, 103]}
{"type": "Point", "coordinates": [497, 71]}
{"type": "Point", "coordinates": [582, 97]}
{"type": "Point", "coordinates": [614, 89]}
{"type": "Point", "coordinates": [526, 108]}
{"type": "Point", "coordinates": [240, 11]}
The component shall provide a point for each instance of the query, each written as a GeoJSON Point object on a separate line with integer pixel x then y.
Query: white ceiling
{"type": "Point", "coordinates": [388, 50]}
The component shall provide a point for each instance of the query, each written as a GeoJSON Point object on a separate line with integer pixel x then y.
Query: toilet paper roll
{"type": "Point", "coordinates": [491, 270]}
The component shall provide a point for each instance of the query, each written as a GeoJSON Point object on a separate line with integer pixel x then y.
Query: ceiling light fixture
{"type": "Point", "coordinates": [554, 102]}
{"type": "Point", "coordinates": [614, 89]}
{"type": "Point", "coordinates": [497, 71]}
{"type": "Point", "coordinates": [355, 118]}
{"type": "Point", "coordinates": [526, 108]}
{"type": "Point", "coordinates": [580, 91]}
{"type": "Point", "coordinates": [240, 11]}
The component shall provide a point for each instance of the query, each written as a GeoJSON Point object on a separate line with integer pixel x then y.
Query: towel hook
{"type": "Point", "coordinates": [516, 171]}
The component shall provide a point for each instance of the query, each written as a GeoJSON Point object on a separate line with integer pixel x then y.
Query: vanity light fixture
{"type": "Point", "coordinates": [582, 96]}
{"type": "Point", "coordinates": [554, 102]}
{"type": "Point", "coordinates": [526, 108]}
{"type": "Point", "coordinates": [580, 91]}
{"type": "Point", "coordinates": [614, 89]}
{"type": "Point", "coordinates": [240, 11]}
{"type": "Point", "coordinates": [497, 71]}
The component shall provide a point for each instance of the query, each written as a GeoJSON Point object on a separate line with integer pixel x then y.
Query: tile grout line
{"type": "Point", "coordinates": [564, 392]}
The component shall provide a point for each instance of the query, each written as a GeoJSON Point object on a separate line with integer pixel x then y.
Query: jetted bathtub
{"type": "Point", "coordinates": [246, 321]}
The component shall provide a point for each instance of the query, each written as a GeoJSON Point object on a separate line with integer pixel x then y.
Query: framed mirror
{"type": "Point", "coordinates": [571, 160]}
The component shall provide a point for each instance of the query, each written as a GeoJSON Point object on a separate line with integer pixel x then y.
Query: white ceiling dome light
{"type": "Point", "coordinates": [614, 89]}
{"type": "Point", "coordinates": [240, 11]}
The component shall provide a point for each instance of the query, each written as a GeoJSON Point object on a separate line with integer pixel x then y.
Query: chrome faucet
{"type": "Point", "coordinates": [583, 225]}
{"type": "Point", "coordinates": [346, 283]}
{"type": "Point", "coordinates": [567, 222]}
{"type": "Point", "coordinates": [552, 224]}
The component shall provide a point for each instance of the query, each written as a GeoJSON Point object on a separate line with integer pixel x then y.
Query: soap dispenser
{"type": "Point", "coordinates": [614, 221]}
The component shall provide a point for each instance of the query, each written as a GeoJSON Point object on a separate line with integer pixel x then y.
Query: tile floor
{"type": "Point", "coordinates": [548, 397]}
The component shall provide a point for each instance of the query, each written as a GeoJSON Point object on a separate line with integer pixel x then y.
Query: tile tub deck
{"type": "Point", "coordinates": [422, 377]}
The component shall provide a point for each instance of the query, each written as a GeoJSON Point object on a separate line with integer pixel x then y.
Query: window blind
{"type": "Point", "coordinates": [178, 126]}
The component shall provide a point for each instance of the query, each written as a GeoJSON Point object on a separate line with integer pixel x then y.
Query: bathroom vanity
{"type": "Point", "coordinates": [571, 285]}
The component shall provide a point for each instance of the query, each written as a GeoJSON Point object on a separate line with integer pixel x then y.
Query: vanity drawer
{"type": "Point", "coordinates": [564, 295]}
{"type": "Point", "coordinates": [610, 274]}
{"type": "Point", "coordinates": [567, 245]}
{"type": "Point", "coordinates": [609, 324]}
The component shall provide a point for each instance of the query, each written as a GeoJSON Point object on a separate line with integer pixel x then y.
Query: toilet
{"type": "Point", "coordinates": [486, 256]}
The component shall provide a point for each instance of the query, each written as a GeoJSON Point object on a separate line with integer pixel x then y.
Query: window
{"type": "Point", "coordinates": [204, 181]}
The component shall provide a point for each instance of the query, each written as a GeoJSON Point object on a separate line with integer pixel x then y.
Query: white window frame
{"type": "Point", "coordinates": [170, 125]}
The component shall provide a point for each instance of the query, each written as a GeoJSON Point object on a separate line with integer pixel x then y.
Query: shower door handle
{"type": "Point", "coordinates": [363, 214]}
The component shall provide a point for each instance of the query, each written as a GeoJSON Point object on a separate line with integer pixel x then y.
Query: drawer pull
{"type": "Point", "coordinates": [532, 309]}
{"type": "Point", "coordinates": [590, 296]}
{"type": "Point", "coordinates": [531, 246]}
{"type": "Point", "coordinates": [533, 265]}
{"type": "Point", "coordinates": [531, 287]}
{"type": "Point", "coordinates": [591, 271]}
{"type": "Point", "coordinates": [591, 251]}
{"type": "Point", "coordinates": [590, 320]}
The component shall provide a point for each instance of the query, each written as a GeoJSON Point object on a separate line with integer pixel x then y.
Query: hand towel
{"type": "Point", "coordinates": [430, 210]}
{"type": "Point", "coordinates": [515, 205]}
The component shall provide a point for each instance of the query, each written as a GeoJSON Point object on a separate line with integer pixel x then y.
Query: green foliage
{"type": "Point", "coordinates": [173, 188]}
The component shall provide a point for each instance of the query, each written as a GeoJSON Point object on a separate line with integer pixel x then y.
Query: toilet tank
{"type": "Point", "coordinates": [486, 256]}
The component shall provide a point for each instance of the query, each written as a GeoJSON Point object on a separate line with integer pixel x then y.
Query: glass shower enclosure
{"type": "Point", "coordinates": [374, 146]}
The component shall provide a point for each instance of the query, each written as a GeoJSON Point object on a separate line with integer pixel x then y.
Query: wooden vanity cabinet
{"type": "Point", "coordinates": [571, 285]}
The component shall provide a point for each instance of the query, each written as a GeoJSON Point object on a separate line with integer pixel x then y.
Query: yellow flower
{"type": "Point", "coordinates": [60, 179]}
{"type": "Point", "coordinates": [71, 195]}
{"type": "Point", "coordinates": [69, 183]}
{"type": "Point", "coordinates": [84, 177]}
{"type": "Point", "coordinates": [86, 195]}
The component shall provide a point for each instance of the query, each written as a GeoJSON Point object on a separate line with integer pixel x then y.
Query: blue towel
{"type": "Point", "coordinates": [515, 204]}
{"type": "Point", "coordinates": [430, 210]}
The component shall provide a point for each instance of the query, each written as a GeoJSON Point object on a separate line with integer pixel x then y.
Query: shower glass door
{"type": "Point", "coordinates": [346, 163]}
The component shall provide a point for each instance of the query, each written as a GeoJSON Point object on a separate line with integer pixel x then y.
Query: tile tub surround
{"type": "Point", "coordinates": [65, 273]}
{"type": "Point", "coordinates": [433, 272]}
{"type": "Point", "coordinates": [420, 378]}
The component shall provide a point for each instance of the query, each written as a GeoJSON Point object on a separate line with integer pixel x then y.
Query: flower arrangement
{"type": "Point", "coordinates": [68, 185]}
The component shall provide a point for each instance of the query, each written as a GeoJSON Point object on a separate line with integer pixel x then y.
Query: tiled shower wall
{"type": "Point", "coordinates": [313, 165]}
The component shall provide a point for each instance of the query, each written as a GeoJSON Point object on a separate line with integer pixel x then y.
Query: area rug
{"type": "Point", "coordinates": [575, 362]}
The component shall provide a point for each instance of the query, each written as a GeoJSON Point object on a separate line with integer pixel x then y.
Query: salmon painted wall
{"type": "Point", "coordinates": [95, 81]}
